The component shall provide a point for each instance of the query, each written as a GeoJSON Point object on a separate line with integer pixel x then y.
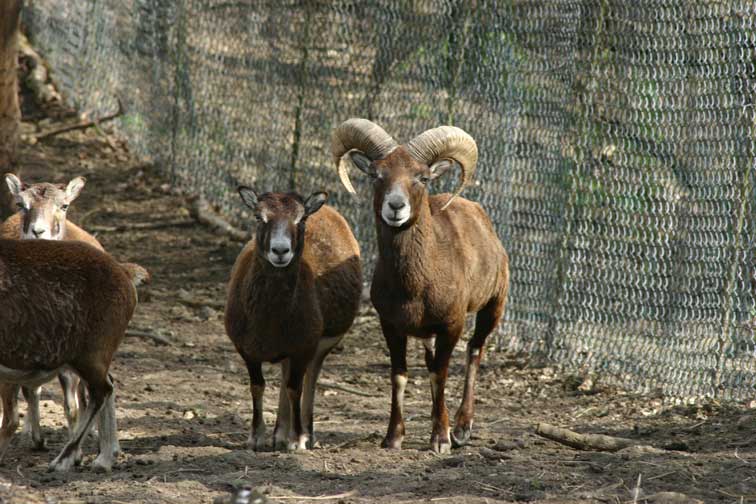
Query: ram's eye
{"type": "Point", "coordinates": [64, 207]}
{"type": "Point", "coordinates": [21, 206]}
{"type": "Point", "coordinates": [423, 179]}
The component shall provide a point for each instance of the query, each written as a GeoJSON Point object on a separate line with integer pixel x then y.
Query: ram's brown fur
{"type": "Point", "coordinates": [277, 315]}
{"type": "Point", "coordinates": [438, 259]}
{"type": "Point", "coordinates": [64, 304]}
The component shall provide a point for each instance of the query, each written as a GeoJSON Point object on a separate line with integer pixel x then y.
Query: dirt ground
{"type": "Point", "coordinates": [184, 410]}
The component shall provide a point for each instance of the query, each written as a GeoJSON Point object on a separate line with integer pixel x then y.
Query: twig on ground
{"type": "Point", "coordinates": [204, 213]}
{"type": "Point", "coordinates": [344, 495]}
{"type": "Point", "coordinates": [740, 458]}
{"type": "Point", "coordinates": [149, 335]}
{"type": "Point", "coordinates": [84, 124]}
{"type": "Point", "coordinates": [637, 489]}
{"type": "Point", "coordinates": [570, 438]}
{"type": "Point", "coordinates": [343, 388]}
{"type": "Point", "coordinates": [130, 226]}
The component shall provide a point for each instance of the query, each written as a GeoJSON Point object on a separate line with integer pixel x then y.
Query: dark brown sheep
{"type": "Point", "coordinates": [65, 306]}
{"type": "Point", "coordinates": [439, 259]}
{"type": "Point", "coordinates": [294, 292]}
{"type": "Point", "coordinates": [42, 214]}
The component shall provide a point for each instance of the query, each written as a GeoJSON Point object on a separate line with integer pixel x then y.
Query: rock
{"type": "Point", "coordinates": [207, 313]}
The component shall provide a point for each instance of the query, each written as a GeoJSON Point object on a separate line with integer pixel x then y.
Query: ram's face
{"type": "Point", "coordinates": [400, 187]}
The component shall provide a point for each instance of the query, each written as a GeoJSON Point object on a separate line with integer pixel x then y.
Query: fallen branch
{"type": "Point", "coordinates": [597, 442]}
{"type": "Point", "coordinates": [343, 388]}
{"type": "Point", "coordinates": [184, 297]}
{"type": "Point", "coordinates": [84, 124]}
{"type": "Point", "coordinates": [205, 214]}
{"type": "Point", "coordinates": [130, 226]}
{"type": "Point", "coordinates": [149, 335]}
{"type": "Point", "coordinates": [316, 498]}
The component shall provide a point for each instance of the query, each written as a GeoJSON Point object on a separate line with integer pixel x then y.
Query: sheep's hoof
{"type": "Point", "coordinates": [256, 440]}
{"type": "Point", "coordinates": [103, 463]}
{"type": "Point", "coordinates": [39, 444]}
{"type": "Point", "coordinates": [280, 440]}
{"type": "Point", "coordinates": [61, 464]}
{"type": "Point", "coordinates": [392, 443]}
{"type": "Point", "coordinates": [440, 445]}
{"type": "Point", "coordinates": [461, 435]}
{"type": "Point", "coordinates": [298, 444]}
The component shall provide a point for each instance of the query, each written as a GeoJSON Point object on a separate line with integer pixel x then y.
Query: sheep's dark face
{"type": "Point", "coordinates": [281, 219]}
{"type": "Point", "coordinates": [400, 185]}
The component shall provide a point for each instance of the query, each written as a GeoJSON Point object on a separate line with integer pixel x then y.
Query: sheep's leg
{"type": "Point", "coordinates": [108, 435]}
{"type": "Point", "coordinates": [9, 425]}
{"type": "Point", "coordinates": [397, 344]}
{"type": "Point", "coordinates": [100, 388]}
{"type": "Point", "coordinates": [283, 415]}
{"type": "Point", "coordinates": [445, 341]}
{"type": "Point", "coordinates": [256, 439]}
{"type": "Point", "coordinates": [297, 435]}
{"type": "Point", "coordinates": [69, 382]}
{"type": "Point", "coordinates": [310, 382]}
{"type": "Point", "coordinates": [31, 394]}
{"type": "Point", "coordinates": [485, 322]}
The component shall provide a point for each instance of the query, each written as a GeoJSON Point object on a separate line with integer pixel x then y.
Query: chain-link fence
{"type": "Point", "coordinates": [616, 139]}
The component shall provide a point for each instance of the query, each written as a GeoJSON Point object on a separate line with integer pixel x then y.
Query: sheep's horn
{"type": "Point", "coordinates": [360, 135]}
{"type": "Point", "coordinates": [446, 142]}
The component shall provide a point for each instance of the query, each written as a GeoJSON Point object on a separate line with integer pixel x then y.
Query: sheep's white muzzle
{"type": "Point", "coordinates": [280, 252]}
{"type": "Point", "coordinates": [396, 208]}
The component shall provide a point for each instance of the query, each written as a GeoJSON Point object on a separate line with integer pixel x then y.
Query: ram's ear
{"type": "Point", "coordinates": [440, 167]}
{"type": "Point", "coordinates": [248, 196]}
{"type": "Point", "coordinates": [362, 162]}
{"type": "Point", "coordinates": [313, 203]}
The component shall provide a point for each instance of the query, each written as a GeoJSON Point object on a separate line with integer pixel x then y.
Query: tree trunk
{"type": "Point", "coordinates": [10, 114]}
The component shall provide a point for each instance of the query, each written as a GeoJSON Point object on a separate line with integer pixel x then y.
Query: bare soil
{"type": "Point", "coordinates": [184, 410]}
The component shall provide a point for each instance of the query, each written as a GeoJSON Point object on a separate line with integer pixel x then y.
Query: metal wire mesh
{"type": "Point", "coordinates": [616, 140]}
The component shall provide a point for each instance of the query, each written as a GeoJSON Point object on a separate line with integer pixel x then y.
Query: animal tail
{"type": "Point", "coordinates": [139, 275]}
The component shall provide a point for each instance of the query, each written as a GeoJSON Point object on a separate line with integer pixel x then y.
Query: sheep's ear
{"type": "Point", "coordinates": [248, 196]}
{"type": "Point", "coordinates": [15, 186]}
{"type": "Point", "coordinates": [440, 167]}
{"type": "Point", "coordinates": [73, 189]}
{"type": "Point", "coordinates": [362, 162]}
{"type": "Point", "coordinates": [314, 202]}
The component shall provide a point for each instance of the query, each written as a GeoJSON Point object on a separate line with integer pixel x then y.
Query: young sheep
{"type": "Point", "coordinates": [439, 258]}
{"type": "Point", "coordinates": [65, 306]}
{"type": "Point", "coordinates": [294, 292]}
{"type": "Point", "coordinates": [42, 215]}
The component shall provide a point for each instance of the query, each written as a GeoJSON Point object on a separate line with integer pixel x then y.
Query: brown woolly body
{"type": "Point", "coordinates": [273, 314]}
{"type": "Point", "coordinates": [65, 307]}
{"type": "Point", "coordinates": [11, 230]}
{"type": "Point", "coordinates": [69, 302]}
{"type": "Point", "coordinates": [432, 273]}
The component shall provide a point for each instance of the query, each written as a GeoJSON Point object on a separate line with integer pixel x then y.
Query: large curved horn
{"type": "Point", "coordinates": [446, 142]}
{"type": "Point", "coordinates": [361, 135]}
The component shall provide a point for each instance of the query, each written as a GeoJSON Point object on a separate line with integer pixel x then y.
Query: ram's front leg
{"type": "Point", "coordinates": [397, 344]}
{"type": "Point", "coordinates": [439, 370]}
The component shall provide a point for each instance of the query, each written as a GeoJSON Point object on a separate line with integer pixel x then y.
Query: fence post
{"type": "Point", "coordinates": [582, 142]}
{"type": "Point", "coordinates": [301, 90]}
